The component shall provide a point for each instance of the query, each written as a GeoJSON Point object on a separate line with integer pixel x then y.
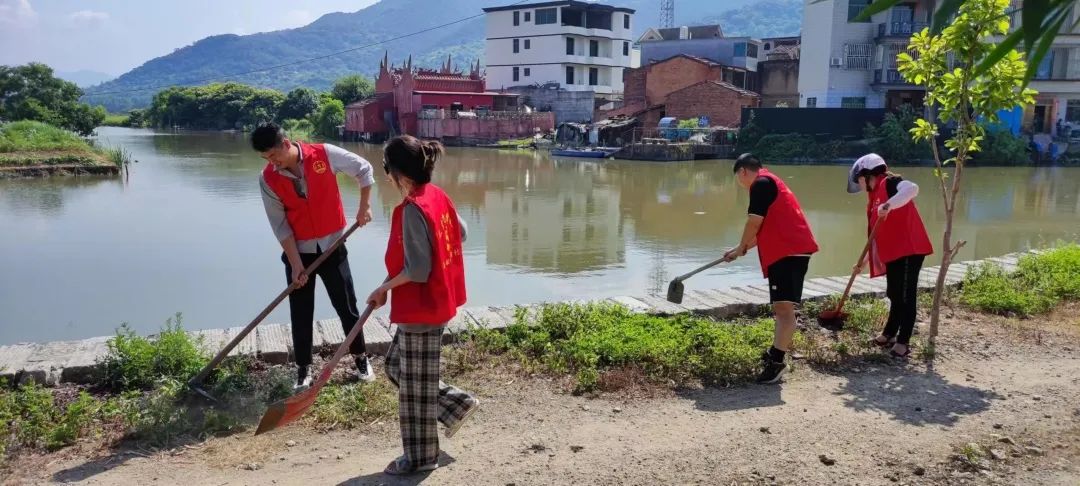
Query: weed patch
{"type": "Point", "coordinates": [1039, 283]}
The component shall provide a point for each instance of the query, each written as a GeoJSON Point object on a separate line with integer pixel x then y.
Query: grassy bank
{"type": "Point", "coordinates": [29, 143]}
{"type": "Point", "coordinates": [140, 397]}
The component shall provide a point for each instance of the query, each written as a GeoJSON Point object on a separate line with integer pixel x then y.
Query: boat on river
{"type": "Point", "coordinates": [586, 152]}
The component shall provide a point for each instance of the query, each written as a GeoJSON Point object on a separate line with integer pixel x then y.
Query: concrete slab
{"type": "Point", "coordinates": [484, 317]}
{"type": "Point", "coordinates": [213, 339]}
{"type": "Point", "coordinates": [82, 365]}
{"type": "Point", "coordinates": [816, 286]}
{"type": "Point", "coordinates": [13, 359]}
{"type": "Point", "coordinates": [693, 302]}
{"type": "Point", "coordinates": [755, 297]}
{"type": "Point", "coordinates": [661, 306]}
{"type": "Point", "coordinates": [376, 338]}
{"type": "Point", "coordinates": [826, 284]}
{"type": "Point", "coordinates": [877, 285]}
{"type": "Point", "coordinates": [246, 347]}
{"type": "Point", "coordinates": [507, 313]}
{"type": "Point", "coordinates": [634, 304]}
{"type": "Point", "coordinates": [713, 301]}
{"type": "Point", "coordinates": [330, 332]}
{"type": "Point", "coordinates": [273, 342]}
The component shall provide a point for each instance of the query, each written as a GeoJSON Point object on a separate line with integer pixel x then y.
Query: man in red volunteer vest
{"type": "Point", "coordinates": [776, 225]}
{"type": "Point", "coordinates": [303, 203]}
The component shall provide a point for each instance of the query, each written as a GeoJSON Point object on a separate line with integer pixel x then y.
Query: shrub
{"type": "Point", "coordinates": [892, 139]}
{"type": "Point", "coordinates": [136, 362]}
{"type": "Point", "coordinates": [352, 405]}
{"type": "Point", "coordinates": [796, 147]}
{"type": "Point", "coordinates": [1001, 147]}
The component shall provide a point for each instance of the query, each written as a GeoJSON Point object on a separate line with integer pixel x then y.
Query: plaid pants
{"type": "Point", "coordinates": [412, 363]}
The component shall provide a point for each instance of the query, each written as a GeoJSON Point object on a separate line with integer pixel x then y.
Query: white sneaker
{"type": "Point", "coordinates": [303, 379]}
{"type": "Point", "coordinates": [363, 369]}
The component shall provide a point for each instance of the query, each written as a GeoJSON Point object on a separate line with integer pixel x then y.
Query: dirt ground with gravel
{"type": "Point", "coordinates": [999, 405]}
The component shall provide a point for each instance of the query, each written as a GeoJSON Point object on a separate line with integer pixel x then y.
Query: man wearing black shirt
{"type": "Point", "coordinates": [776, 225]}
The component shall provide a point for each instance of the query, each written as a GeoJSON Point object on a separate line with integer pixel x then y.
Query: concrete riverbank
{"type": "Point", "coordinates": [77, 361]}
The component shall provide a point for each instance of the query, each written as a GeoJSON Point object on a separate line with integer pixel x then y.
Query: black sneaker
{"type": "Point", "coordinates": [303, 379]}
{"type": "Point", "coordinates": [772, 373]}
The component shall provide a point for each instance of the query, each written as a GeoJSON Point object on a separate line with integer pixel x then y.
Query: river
{"type": "Point", "coordinates": [187, 232]}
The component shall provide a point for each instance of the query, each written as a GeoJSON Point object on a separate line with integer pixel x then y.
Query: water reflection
{"type": "Point", "coordinates": [188, 232]}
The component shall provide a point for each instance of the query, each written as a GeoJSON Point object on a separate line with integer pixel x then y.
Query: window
{"type": "Point", "coordinates": [516, 22]}
{"type": "Point", "coordinates": [517, 73]}
{"type": "Point", "coordinates": [569, 74]}
{"type": "Point", "coordinates": [853, 102]}
{"type": "Point", "coordinates": [528, 16]}
{"type": "Point", "coordinates": [857, 56]}
{"type": "Point", "coordinates": [626, 21]}
{"type": "Point", "coordinates": [740, 49]}
{"type": "Point", "coordinates": [569, 46]}
{"type": "Point", "coordinates": [768, 46]}
{"type": "Point", "coordinates": [515, 46]}
{"type": "Point", "coordinates": [751, 51]}
{"type": "Point", "coordinates": [811, 102]}
{"type": "Point", "coordinates": [594, 48]}
{"type": "Point", "coordinates": [1072, 111]}
{"type": "Point", "coordinates": [528, 44]}
{"type": "Point", "coordinates": [594, 76]}
{"type": "Point", "coordinates": [547, 16]}
{"type": "Point", "coordinates": [625, 48]}
{"type": "Point", "coordinates": [855, 7]}
{"type": "Point", "coordinates": [528, 72]}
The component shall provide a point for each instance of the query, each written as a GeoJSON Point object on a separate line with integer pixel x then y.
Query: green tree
{"type": "Point", "coordinates": [298, 104]}
{"type": "Point", "coordinates": [31, 92]}
{"type": "Point", "coordinates": [330, 115]}
{"type": "Point", "coordinates": [352, 88]}
{"type": "Point", "coordinates": [956, 93]}
{"type": "Point", "coordinates": [217, 106]}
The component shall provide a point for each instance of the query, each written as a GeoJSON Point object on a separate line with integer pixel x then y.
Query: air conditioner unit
{"type": "Point", "coordinates": [836, 62]}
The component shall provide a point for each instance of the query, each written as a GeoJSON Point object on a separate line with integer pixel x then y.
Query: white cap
{"type": "Point", "coordinates": [866, 162]}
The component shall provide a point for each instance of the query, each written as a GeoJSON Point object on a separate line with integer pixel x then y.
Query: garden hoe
{"type": "Point", "coordinates": [675, 288]}
{"type": "Point", "coordinates": [834, 319]}
{"type": "Point", "coordinates": [196, 383]}
{"type": "Point", "coordinates": [286, 411]}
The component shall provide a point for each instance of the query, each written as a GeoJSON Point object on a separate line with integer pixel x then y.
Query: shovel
{"type": "Point", "coordinates": [675, 288]}
{"type": "Point", "coordinates": [286, 411]}
{"type": "Point", "coordinates": [834, 319]}
{"type": "Point", "coordinates": [197, 381]}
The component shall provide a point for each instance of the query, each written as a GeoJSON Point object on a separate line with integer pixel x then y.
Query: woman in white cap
{"type": "Point", "coordinates": [899, 247]}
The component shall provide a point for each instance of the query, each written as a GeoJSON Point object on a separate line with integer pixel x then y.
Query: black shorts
{"type": "Point", "coordinates": [786, 279]}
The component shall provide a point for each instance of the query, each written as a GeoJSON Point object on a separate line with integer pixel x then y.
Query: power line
{"type": "Point", "coordinates": [293, 63]}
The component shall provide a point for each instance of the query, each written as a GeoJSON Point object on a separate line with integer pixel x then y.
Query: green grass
{"type": "Point", "coordinates": [136, 362]}
{"type": "Point", "coordinates": [1039, 283]}
{"type": "Point", "coordinates": [117, 120]}
{"type": "Point", "coordinates": [24, 136]}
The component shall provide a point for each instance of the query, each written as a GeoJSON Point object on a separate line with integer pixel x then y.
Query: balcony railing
{"type": "Point", "coordinates": [900, 29]}
{"type": "Point", "coordinates": [889, 76]}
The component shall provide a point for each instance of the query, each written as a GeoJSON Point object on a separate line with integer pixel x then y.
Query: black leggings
{"type": "Point", "coordinates": [902, 277]}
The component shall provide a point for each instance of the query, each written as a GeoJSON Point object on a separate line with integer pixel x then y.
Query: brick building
{"type": "Point", "coordinates": [649, 91]}
{"type": "Point", "coordinates": [721, 102]}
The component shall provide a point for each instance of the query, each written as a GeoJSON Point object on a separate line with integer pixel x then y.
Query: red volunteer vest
{"type": "Point", "coordinates": [321, 212]}
{"type": "Point", "coordinates": [784, 232]}
{"type": "Point", "coordinates": [435, 301]}
{"type": "Point", "coordinates": [901, 234]}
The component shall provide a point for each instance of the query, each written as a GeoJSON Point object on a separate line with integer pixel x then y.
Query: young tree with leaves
{"type": "Point", "coordinates": [957, 93]}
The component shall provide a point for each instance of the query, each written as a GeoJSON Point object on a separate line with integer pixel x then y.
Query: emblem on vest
{"type": "Point", "coordinates": [319, 166]}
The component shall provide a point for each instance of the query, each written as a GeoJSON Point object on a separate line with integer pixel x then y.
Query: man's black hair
{"type": "Point", "coordinates": [747, 161]}
{"type": "Point", "coordinates": [267, 136]}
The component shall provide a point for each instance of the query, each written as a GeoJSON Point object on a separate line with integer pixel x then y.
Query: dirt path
{"type": "Point", "coordinates": [881, 424]}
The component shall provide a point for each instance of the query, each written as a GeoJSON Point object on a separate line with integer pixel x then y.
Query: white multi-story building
{"type": "Point", "coordinates": [849, 64]}
{"type": "Point", "coordinates": [844, 63]}
{"type": "Point", "coordinates": [581, 46]}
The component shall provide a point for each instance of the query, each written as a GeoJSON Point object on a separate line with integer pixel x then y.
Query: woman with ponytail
{"type": "Point", "coordinates": [900, 244]}
{"type": "Point", "coordinates": [426, 282]}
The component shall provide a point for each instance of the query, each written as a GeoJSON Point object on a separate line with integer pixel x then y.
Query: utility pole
{"type": "Point", "coordinates": [667, 13]}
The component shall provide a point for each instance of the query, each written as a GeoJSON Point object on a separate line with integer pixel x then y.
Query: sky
{"type": "Point", "coordinates": [114, 36]}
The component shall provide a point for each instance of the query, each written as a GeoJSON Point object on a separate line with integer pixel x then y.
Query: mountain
{"type": "Point", "coordinates": [216, 57]}
{"type": "Point", "coordinates": [84, 78]}
{"type": "Point", "coordinates": [766, 18]}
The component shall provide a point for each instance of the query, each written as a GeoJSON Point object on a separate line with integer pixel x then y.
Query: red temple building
{"type": "Point", "coordinates": [445, 104]}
